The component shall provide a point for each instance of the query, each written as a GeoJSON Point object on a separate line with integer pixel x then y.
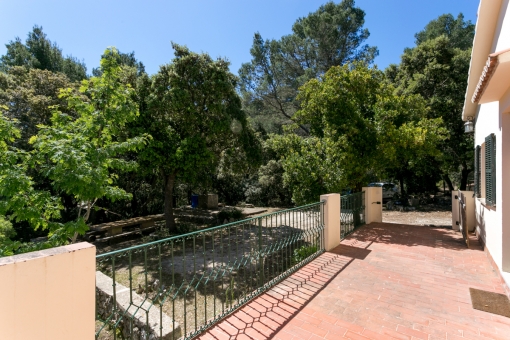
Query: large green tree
{"type": "Point", "coordinates": [359, 128]}
{"type": "Point", "coordinates": [331, 36]}
{"type": "Point", "coordinates": [29, 95]}
{"type": "Point", "coordinates": [40, 53]}
{"type": "Point", "coordinates": [20, 199]}
{"type": "Point", "coordinates": [193, 112]}
{"type": "Point", "coordinates": [437, 69]}
{"type": "Point", "coordinates": [459, 32]}
{"type": "Point", "coordinates": [82, 156]}
{"type": "Point", "coordinates": [124, 59]}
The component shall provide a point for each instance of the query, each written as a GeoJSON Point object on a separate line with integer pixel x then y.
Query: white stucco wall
{"type": "Point", "coordinates": [488, 221]}
{"type": "Point", "coordinates": [502, 34]}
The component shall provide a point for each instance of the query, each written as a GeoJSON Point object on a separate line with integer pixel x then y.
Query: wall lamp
{"type": "Point", "coordinates": [469, 126]}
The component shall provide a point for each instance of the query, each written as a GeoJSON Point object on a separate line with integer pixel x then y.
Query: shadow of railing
{"type": "Point", "coordinates": [267, 314]}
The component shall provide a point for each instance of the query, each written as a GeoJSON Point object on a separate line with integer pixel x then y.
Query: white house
{"type": "Point", "coordinates": [487, 105]}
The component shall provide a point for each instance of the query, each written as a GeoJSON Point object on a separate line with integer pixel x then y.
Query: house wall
{"type": "Point", "coordinates": [504, 178]}
{"type": "Point", "coordinates": [502, 37]}
{"type": "Point", "coordinates": [488, 220]}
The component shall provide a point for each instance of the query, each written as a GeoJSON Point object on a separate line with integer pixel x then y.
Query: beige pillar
{"type": "Point", "coordinates": [373, 204]}
{"type": "Point", "coordinates": [455, 210]}
{"type": "Point", "coordinates": [49, 294]}
{"type": "Point", "coordinates": [331, 214]}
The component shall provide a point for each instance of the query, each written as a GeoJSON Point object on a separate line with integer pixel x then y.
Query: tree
{"type": "Point", "coordinates": [82, 156]}
{"type": "Point", "coordinates": [20, 200]}
{"type": "Point", "coordinates": [124, 59]}
{"type": "Point", "coordinates": [40, 53]}
{"type": "Point", "coordinates": [331, 36]}
{"type": "Point", "coordinates": [192, 110]}
{"type": "Point", "coordinates": [359, 129]}
{"type": "Point", "coordinates": [437, 69]}
{"type": "Point", "coordinates": [28, 95]}
{"type": "Point", "coordinates": [459, 32]}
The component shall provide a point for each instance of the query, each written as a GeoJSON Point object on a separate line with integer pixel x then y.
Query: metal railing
{"type": "Point", "coordinates": [176, 287]}
{"type": "Point", "coordinates": [352, 213]}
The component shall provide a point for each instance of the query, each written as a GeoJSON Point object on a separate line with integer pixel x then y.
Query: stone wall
{"type": "Point", "coordinates": [134, 312]}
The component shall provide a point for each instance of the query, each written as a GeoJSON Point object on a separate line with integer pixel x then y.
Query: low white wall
{"type": "Point", "coordinates": [48, 294]}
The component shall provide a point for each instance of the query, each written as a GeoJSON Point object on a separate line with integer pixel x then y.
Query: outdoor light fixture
{"type": "Point", "coordinates": [469, 127]}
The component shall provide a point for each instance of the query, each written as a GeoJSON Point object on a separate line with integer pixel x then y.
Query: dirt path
{"type": "Point", "coordinates": [437, 218]}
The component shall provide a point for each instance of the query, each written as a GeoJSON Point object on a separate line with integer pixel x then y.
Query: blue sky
{"type": "Point", "coordinates": [218, 27]}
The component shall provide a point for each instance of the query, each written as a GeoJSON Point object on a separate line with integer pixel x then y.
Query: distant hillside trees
{"type": "Point", "coordinates": [40, 53]}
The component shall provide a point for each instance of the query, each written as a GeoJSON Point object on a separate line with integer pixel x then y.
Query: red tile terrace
{"type": "Point", "coordinates": [385, 281]}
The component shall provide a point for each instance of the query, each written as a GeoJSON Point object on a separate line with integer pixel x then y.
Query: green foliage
{"type": "Point", "coordinates": [331, 36]}
{"type": "Point", "coordinates": [460, 33]}
{"type": "Point", "coordinates": [268, 189]}
{"type": "Point", "coordinates": [305, 165]}
{"type": "Point", "coordinates": [303, 253]}
{"type": "Point", "coordinates": [82, 156]}
{"type": "Point", "coordinates": [437, 69]}
{"type": "Point", "coordinates": [18, 195]}
{"type": "Point", "coordinates": [192, 110]}
{"type": "Point", "coordinates": [28, 95]}
{"type": "Point", "coordinates": [229, 213]}
{"type": "Point", "coordinates": [40, 53]}
{"type": "Point", "coordinates": [7, 246]}
{"type": "Point", "coordinates": [123, 59]}
{"type": "Point", "coordinates": [360, 128]}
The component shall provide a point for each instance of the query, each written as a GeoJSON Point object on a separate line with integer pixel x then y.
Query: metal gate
{"type": "Point", "coordinates": [352, 213]}
{"type": "Point", "coordinates": [462, 217]}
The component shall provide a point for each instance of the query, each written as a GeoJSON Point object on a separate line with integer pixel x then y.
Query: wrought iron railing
{"type": "Point", "coordinates": [176, 287]}
{"type": "Point", "coordinates": [352, 213]}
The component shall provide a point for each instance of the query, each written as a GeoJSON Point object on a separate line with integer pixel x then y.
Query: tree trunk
{"type": "Point", "coordinates": [401, 182]}
{"type": "Point", "coordinates": [169, 202]}
{"type": "Point", "coordinates": [464, 177]}
{"type": "Point", "coordinates": [449, 182]}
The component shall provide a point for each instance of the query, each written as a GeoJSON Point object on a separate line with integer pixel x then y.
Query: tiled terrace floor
{"type": "Point", "coordinates": [385, 281]}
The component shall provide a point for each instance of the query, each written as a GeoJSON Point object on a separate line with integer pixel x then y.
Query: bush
{"type": "Point", "coordinates": [267, 189]}
{"type": "Point", "coordinates": [230, 214]}
{"type": "Point", "coordinates": [303, 253]}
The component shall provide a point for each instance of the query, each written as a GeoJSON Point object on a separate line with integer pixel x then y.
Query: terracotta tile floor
{"type": "Point", "coordinates": [386, 281]}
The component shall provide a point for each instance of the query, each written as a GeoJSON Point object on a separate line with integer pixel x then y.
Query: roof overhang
{"type": "Point", "coordinates": [493, 82]}
{"type": "Point", "coordinates": [488, 12]}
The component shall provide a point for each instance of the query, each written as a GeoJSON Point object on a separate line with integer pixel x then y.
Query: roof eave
{"type": "Point", "coordinates": [482, 44]}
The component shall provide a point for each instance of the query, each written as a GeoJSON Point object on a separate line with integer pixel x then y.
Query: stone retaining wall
{"type": "Point", "coordinates": [135, 312]}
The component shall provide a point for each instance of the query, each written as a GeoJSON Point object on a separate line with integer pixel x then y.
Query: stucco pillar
{"type": "Point", "coordinates": [331, 215]}
{"type": "Point", "coordinates": [455, 211]}
{"type": "Point", "coordinates": [49, 294]}
{"type": "Point", "coordinates": [373, 204]}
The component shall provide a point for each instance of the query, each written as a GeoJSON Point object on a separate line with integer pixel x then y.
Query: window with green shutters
{"type": "Point", "coordinates": [478, 173]}
{"type": "Point", "coordinates": [490, 169]}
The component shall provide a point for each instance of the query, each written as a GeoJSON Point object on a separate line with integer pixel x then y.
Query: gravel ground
{"type": "Point", "coordinates": [428, 215]}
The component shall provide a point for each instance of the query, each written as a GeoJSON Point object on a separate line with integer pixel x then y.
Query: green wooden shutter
{"type": "Point", "coordinates": [490, 169]}
{"type": "Point", "coordinates": [477, 172]}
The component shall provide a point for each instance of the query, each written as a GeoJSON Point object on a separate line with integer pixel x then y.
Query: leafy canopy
{"type": "Point", "coordinates": [40, 53]}
{"type": "Point", "coordinates": [437, 69]}
{"type": "Point", "coordinates": [331, 36]}
{"type": "Point", "coordinates": [80, 154]}
{"type": "Point", "coordinates": [359, 128]}
{"type": "Point", "coordinates": [193, 112]}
